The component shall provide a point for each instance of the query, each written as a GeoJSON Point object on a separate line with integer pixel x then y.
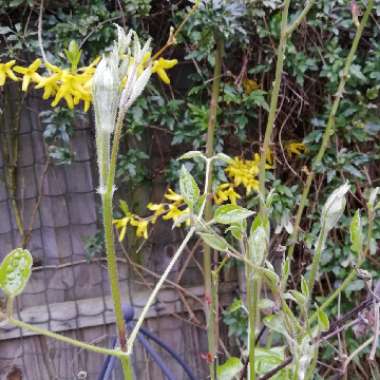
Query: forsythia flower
{"type": "Point", "coordinates": [173, 196]}
{"type": "Point", "coordinates": [142, 227]}
{"type": "Point", "coordinates": [161, 65]}
{"type": "Point", "coordinates": [294, 147]}
{"type": "Point", "coordinates": [244, 172]}
{"type": "Point", "coordinates": [175, 212]}
{"type": "Point", "coordinates": [6, 72]}
{"type": "Point", "coordinates": [226, 192]}
{"type": "Point", "coordinates": [29, 73]}
{"type": "Point", "coordinates": [158, 209]}
{"type": "Point", "coordinates": [121, 224]}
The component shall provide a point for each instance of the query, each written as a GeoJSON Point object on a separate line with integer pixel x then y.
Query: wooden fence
{"type": "Point", "coordinates": [67, 293]}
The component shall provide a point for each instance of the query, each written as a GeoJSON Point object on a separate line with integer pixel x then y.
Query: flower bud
{"type": "Point", "coordinates": [334, 207]}
{"type": "Point", "coordinates": [105, 93]}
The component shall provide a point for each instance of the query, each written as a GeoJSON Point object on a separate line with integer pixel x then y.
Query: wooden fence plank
{"type": "Point", "coordinates": [64, 315]}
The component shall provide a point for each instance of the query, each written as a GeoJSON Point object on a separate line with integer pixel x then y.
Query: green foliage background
{"type": "Point", "coordinates": [173, 119]}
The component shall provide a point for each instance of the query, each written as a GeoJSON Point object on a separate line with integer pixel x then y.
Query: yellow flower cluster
{"type": "Point", "coordinates": [171, 210]}
{"type": "Point", "coordinates": [72, 85]}
{"type": "Point", "coordinates": [240, 171]}
{"type": "Point", "coordinates": [244, 172]}
{"type": "Point", "coordinates": [225, 192]}
{"type": "Point", "coordinates": [129, 218]}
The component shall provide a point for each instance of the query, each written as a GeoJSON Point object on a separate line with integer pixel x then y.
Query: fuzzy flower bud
{"type": "Point", "coordinates": [334, 207]}
{"type": "Point", "coordinates": [105, 93]}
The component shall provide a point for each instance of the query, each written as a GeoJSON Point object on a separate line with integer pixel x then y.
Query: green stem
{"type": "Point", "coordinates": [253, 291]}
{"type": "Point", "coordinates": [316, 260]}
{"type": "Point", "coordinates": [210, 308]}
{"type": "Point", "coordinates": [113, 275]}
{"type": "Point", "coordinates": [295, 24]}
{"type": "Point", "coordinates": [273, 103]}
{"type": "Point", "coordinates": [65, 339]}
{"type": "Point", "coordinates": [329, 131]}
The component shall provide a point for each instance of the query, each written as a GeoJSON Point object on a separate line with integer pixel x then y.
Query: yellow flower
{"type": "Point", "coordinates": [244, 172]}
{"type": "Point", "coordinates": [158, 209]}
{"type": "Point", "coordinates": [161, 65]}
{"type": "Point", "coordinates": [294, 147]}
{"type": "Point", "coordinates": [141, 227]}
{"type": "Point", "coordinates": [71, 86]}
{"type": "Point", "coordinates": [173, 196]}
{"type": "Point", "coordinates": [6, 72]}
{"type": "Point", "coordinates": [175, 212]}
{"type": "Point", "coordinates": [71, 89]}
{"type": "Point", "coordinates": [121, 224]}
{"type": "Point", "coordinates": [226, 192]}
{"type": "Point", "coordinates": [141, 66]}
{"type": "Point", "coordinates": [29, 73]}
{"type": "Point", "coordinates": [49, 84]}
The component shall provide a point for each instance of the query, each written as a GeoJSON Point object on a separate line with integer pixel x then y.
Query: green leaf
{"type": "Point", "coordinates": [229, 369]}
{"type": "Point", "coordinates": [298, 297]}
{"type": "Point", "coordinates": [305, 287]}
{"type": "Point", "coordinates": [267, 359]}
{"type": "Point", "coordinates": [124, 207]}
{"type": "Point", "coordinates": [188, 188]}
{"type": "Point", "coordinates": [214, 241]}
{"type": "Point", "coordinates": [222, 157]}
{"type": "Point", "coordinates": [237, 229]}
{"type": "Point", "coordinates": [270, 276]}
{"type": "Point", "coordinates": [275, 323]}
{"type": "Point", "coordinates": [15, 271]}
{"type": "Point", "coordinates": [228, 214]}
{"type": "Point", "coordinates": [356, 233]}
{"type": "Point", "coordinates": [192, 154]}
{"type": "Point", "coordinates": [323, 320]}
{"type": "Point", "coordinates": [285, 268]}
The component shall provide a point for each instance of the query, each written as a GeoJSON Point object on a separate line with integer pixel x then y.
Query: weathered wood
{"type": "Point", "coordinates": [66, 316]}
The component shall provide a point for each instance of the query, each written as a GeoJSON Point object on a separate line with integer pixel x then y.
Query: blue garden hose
{"type": "Point", "coordinates": [110, 362]}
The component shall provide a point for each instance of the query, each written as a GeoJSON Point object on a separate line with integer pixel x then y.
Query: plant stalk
{"type": "Point", "coordinates": [329, 131]}
{"type": "Point", "coordinates": [253, 291]}
{"type": "Point", "coordinates": [113, 275]}
{"type": "Point", "coordinates": [273, 103]}
{"type": "Point", "coordinates": [211, 281]}
{"type": "Point", "coordinates": [65, 339]}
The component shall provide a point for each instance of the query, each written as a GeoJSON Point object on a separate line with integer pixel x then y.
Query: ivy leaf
{"type": "Point", "coordinates": [229, 369]}
{"type": "Point", "coordinates": [214, 241]}
{"type": "Point", "coordinates": [228, 214]}
{"type": "Point", "coordinates": [356, 233]}
{"type": "Point", "coordinates": [15, 271]}
{"type": "Point", "coordinates": [188, 187]}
